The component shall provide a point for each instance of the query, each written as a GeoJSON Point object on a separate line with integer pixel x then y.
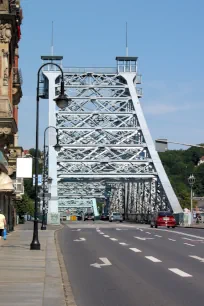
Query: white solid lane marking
{"type": "Point", "coordinates": [135, 250]}
{"type": "Point", "coordinates": [113, 239]}
{"type": "Point", "coordinates": [189, 244]}
{"type": "Point", "coordinates": [158, 236]}
{"type": "Point", "coordinates": [106, 236]}
{"type": "Point", "coordinates": [148, 233]}
{"type": "Point", "coordinates": [123, 243]}
{"type": "Point", "coordinates": [180, 272]}
{"type": "Point", "coordinates": [180, 233]}
{"type": "Point", "coordinates": [105, 261]}
{"type": "Point", "coordinates": [197, 257]}
{"type": "Point", "coordinates": [80, 239]}
{"type": "Point", "coordinates": [171, 239]}
{"type": "Point", "coordinates": [153, 259]}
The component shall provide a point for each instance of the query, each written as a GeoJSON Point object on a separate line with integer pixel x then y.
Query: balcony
{"type": "Point", "coordinates": [17, 83]}
{"type": "Point", "coordinates": [138, 79]}
{"type": "Point", "coordinates": [17, 77]}
{"type": "Point", "coordinates": [19, 187]}
{"type": "Point", "coordinates": [14, 153]}
{"type": "Point", "coordinates": [7, 122]}
{"type": "Point", "coordinates": [139, 92]}
{"type": "Point", "coordinates": [3, 163]}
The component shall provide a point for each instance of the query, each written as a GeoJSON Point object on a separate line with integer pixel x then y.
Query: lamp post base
{"type": "Point", "coordinates": [35, 244]}
{"type": "Point", "coordinates": [43, 227]}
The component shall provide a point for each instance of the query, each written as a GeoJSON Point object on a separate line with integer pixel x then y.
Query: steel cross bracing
{"type": "Point", "coordinates": [45, 177]}
{"type": "Point", "coordinates": [103, 142]}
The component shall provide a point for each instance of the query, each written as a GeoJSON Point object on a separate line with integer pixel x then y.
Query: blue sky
{"type": "Point", "coordinates": [167, 36]}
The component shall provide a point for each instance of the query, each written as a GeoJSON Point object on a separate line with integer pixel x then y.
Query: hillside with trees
{"type": "Point", "coordinates": [179, 165]}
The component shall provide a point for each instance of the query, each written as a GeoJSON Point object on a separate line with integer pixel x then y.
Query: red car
{"type": "Point", "coordinates": [163, 218]}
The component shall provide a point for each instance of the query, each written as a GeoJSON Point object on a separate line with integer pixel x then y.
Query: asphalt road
{"type": "Point", "coordinates": [134, 265]}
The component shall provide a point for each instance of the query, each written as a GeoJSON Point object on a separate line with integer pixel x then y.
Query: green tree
{"type": "Point", "coordinates": [24, 206]}
{"type": "Point", "coordinates": [179, 164]}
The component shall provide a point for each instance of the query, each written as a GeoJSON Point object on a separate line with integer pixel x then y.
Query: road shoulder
{"type": "Point", "coordinates": [69, 297]}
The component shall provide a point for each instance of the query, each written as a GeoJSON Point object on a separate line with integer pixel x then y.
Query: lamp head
{"type": "Point", "coordinates": [49, 180]}
{"type": "Point", "coordinates": [57, 147]}
{"type": "Point", "coordinates": [62, 101]}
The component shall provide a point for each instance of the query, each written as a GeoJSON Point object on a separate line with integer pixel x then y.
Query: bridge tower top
{"type": "Point", "coordinates": [127, 64]}
{"type": "Point", "coordinates": [51, 59]}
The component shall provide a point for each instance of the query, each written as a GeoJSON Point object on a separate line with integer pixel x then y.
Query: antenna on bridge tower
{"type": "Point", "coordinates": [126, 39]}
{"type": "Point", "coordinates": [52, 40]}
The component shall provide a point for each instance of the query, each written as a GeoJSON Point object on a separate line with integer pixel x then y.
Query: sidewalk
{"type": "Point", "coordinates": [30, 278]}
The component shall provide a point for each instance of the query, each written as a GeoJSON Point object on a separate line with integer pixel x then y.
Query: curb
{"type": "Point", "coordinates": [68, 293]}
{"type": "Point", "coordinates": [191, 227]}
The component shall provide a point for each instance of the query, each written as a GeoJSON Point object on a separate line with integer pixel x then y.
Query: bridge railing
{"type": "Point", "coordinates": [99, 70]}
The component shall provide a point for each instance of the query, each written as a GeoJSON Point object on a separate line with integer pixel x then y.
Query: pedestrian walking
{"type": "Point", "coordinates": [2, 223]}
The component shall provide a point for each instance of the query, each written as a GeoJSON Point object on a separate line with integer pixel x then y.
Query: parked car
{"type": "Point", "coordinates": [163, 218]}
{"type": "Point", "coordinates": [89, 216]}
{"type": "Point", "coordinates": [104, 217]}
{"type": "Point", "coordinates": [115, 216]}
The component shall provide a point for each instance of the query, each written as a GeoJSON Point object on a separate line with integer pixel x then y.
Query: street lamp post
{"type": "Point", "coordinates": [191, 181]}
{"type": "Point", "coordinates": [57, 148]}
{"type": "Point", "coordinates": [61, 101]}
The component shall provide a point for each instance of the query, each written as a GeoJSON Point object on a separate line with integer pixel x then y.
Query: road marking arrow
{"type": "Point", "coordinates": [197, 257]}
{"type": "Point", "coordinates": [105, 261]}
{"type": "Point", "coordinates": [80, 239]}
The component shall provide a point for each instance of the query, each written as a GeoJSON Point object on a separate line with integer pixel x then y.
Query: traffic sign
{"type": "Point", "coordinates": [39, 180]}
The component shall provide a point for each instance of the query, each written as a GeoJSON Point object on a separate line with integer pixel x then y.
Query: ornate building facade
{"type": "Point", "coordinates": [10, 95]}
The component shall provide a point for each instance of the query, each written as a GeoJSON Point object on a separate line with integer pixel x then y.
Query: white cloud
{"type": "Point", "coordinates": [162, 98]}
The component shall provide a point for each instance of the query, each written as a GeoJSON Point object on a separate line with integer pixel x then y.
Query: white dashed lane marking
{"type": "Point", "coordinates": [189, 244]}
{"type": "Point", "coordinates": [153, 259]}
{"type": "Point", "coordinates": [187, 239]}
{"type": "Point", "coordinates": [197, 257]}
{"type": "Point", "coordinates": [140, 238]}
{"type": "Point", "coordinates": [135, 250]}
{"type": "Point", "coordinates": [180, 272]}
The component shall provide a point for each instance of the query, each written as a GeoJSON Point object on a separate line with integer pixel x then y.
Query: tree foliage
{"type": "Point", "coordinates": [25, 206]}
{"type": "Point", "coordinates": [179, 165]}
{"type": "Point", "coordinates": [28, 183]}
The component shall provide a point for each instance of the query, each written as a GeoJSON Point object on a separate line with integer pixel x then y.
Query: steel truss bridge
{"type": "Point", "coordinates": [107, 150]}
